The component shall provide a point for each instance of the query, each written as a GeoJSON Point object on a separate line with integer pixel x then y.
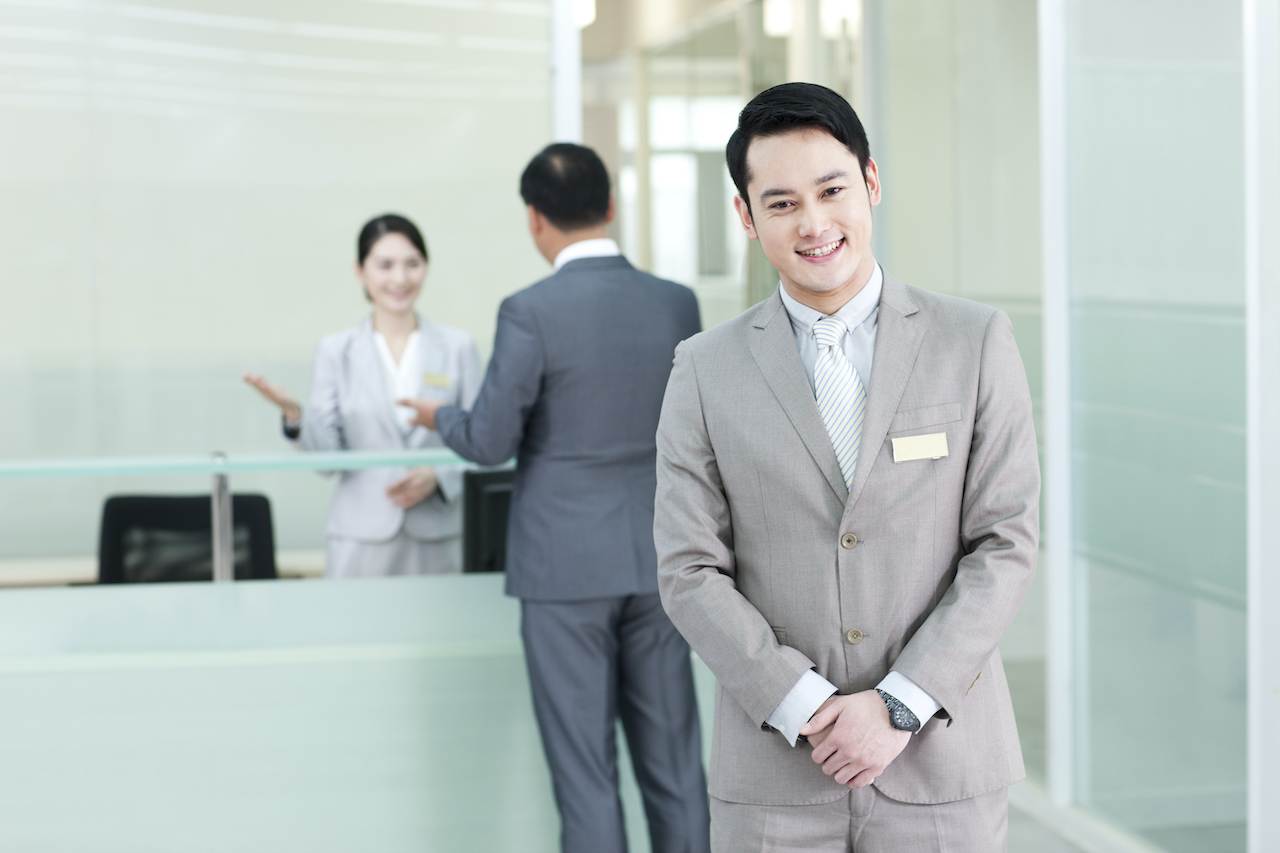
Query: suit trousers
{"type": "Point", "coordinates": [864, 821]}
{"type": "Point", "coordinates": [592, 663]}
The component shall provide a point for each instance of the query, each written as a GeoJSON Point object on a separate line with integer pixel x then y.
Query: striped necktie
{"type": "Point", "coordinates": [842, 401]}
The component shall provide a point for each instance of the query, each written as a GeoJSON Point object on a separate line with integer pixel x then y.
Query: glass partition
{"type": "Point", "coordinates": [39, 483]}
{"type": "Point", "coordinates": [948, 91]}
{"type": "Point", "coordinates": [181, 186]}
{"type": "Point", "coordinates": [1158, 405]}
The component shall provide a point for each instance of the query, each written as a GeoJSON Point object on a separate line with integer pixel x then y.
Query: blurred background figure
{"type": "Point", "coordinates": [386, 521]}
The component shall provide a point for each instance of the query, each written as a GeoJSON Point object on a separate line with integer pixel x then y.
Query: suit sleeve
{"type": "Point", "coordinates": [490, 433]}
{"type": "Point", "coordinates": [999, 532]}
{"type": "Point", "coordinates": [322, 421]}
{"type": "Point", "coordinates": [449, 477]}
{"type": "Point", "coordinates": [693, 532]}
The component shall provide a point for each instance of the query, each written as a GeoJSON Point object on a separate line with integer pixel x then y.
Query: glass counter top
{"type": "Point", "coordinates": [222, 463]}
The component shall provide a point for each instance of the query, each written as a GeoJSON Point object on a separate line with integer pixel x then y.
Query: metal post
{"type": "Point", "coordinates": [1061, 586]}
{"type": "Point", "coordinates": [224, 556]}
{"type": "Point", "coordinates": [1262, 345]}
{"type": "Point", "coordinates": [566, 73]}
{"type": "Point", "coordinates": [804, 45]}
{"type": "Point", "coordinates": [643, 256]}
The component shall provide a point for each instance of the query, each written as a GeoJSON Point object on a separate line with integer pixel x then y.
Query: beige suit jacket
{"type": "Point", "coordinates": [752, 510]}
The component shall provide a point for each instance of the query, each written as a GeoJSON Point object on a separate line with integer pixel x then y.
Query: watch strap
{"type": "Point", "coordinates": [900, 716]}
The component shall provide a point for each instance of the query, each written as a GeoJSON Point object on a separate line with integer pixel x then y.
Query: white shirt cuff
{"type": "Point", "coordinates": [800, 704]}
{"type": "Point", "coordinates": [910, 694]}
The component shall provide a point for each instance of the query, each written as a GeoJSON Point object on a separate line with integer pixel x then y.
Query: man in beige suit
{"type": "Point", "coordinates": [847, 520]}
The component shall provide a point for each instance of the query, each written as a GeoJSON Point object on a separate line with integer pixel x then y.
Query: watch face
{"type": "Point", "coordinates": [900, 716]}
{"type": "Point", "coordinates": [904, 720]}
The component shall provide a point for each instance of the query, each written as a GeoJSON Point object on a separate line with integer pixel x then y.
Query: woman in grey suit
{"type": "Point", "coordinates": [386, 521]}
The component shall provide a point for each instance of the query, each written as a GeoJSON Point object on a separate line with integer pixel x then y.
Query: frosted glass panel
{"type": "Point", "coordinates": [181, 184]}
{"type": "Point", "coordinates": [1158, 406]}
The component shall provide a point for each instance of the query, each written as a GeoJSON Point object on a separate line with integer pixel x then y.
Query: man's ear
{"type": "Point", "coordinates": [871, 177]}
{"type": "Point", "coordinates": [744, 215]}
{"type": "Point", "coordinates": [537, 222]}
{"type": "Point", "coordinates": [608, 216]}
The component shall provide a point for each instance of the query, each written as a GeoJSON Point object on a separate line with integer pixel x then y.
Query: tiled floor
{"type": "Point", "coordinates": [1027, 835]}
{"type": "Point", "coordinates": [1226, 838]}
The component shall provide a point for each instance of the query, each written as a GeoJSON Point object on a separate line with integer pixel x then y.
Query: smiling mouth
{"type": "Point", "coordinates": [821, 251]}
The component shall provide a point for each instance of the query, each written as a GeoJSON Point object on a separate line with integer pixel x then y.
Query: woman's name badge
{"type": "Point", "coordinates": [436, 380]}
{"type": "Point", "coordinates": [912, 447]}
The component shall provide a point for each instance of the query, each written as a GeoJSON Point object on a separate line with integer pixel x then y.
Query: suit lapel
{"type": "Point", "coordinates": [429, 360]}
{"type": "Point", "coordinates": [369, 372]}
{"type": "Point", "coordinates": [898, 338]}
{"type": "Point", "coordinates": [774, 349]}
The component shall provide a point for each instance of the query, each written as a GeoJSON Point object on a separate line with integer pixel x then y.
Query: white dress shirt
{"type": "Point", "coordinates": [860, 314]}
{"type": "Point", "coordinates": [401, 379]}
{"type": "Point", "coordinates": [597, 247]}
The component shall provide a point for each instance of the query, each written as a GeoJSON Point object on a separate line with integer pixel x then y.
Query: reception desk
{"type": "Point", "coordinates": [389, 714]}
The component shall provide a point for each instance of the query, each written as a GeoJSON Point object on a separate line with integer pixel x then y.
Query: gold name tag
{"type": "Point", "coordinates": [436, 380]}
{"type": "Point", "coordinates": [920, 447]}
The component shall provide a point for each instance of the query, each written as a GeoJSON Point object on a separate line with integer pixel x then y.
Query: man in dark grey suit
{"type": "Point", "coordinates": [573, 391]}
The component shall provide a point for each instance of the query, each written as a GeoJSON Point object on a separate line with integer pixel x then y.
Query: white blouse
{"type": "Point", "coordinates": [401, 379]}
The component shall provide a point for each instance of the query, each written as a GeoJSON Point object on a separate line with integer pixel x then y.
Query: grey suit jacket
{"type": "Point", "coordinates": [350, 409]}
{"type": "Point", "coordinates": [574, 388]}
{"type": "Point", "coordinates": [752, 508]}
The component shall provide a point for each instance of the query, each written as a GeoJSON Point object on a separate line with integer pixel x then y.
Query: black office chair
{"type": "Point", "coordinates": [168, 538]}
{"type": "Point", "coordinates": [486, 501]}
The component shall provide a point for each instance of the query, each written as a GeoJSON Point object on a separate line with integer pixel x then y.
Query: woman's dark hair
{"type": "Point", "coordinates": [568, 184]}
{"type": "Point", "coordinates": [793, 106]}
{"type": "Point", "coordinates": [388, 223]}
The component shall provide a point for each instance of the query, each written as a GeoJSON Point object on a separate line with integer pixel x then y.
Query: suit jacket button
{"type": "Point", "coordinates": [848, 540]}
{"type": "Point", "coordinates": [854, 636]}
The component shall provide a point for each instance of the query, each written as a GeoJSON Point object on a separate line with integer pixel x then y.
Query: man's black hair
{"type": "Point", "coordinates": [793, 106]}
{"type": "Point", "coordinates": [569, 185]}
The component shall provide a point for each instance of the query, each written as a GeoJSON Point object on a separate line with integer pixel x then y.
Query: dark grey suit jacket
{"type": "Point", "coordinates": [574, 389]}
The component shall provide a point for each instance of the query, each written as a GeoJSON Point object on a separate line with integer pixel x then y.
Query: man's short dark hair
{"type": "Point", "coordinates": [569, 185]}
{"type": "Point", "coordinates": [793, 106]}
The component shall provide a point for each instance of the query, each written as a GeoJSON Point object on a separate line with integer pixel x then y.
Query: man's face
{"type": "Point", "coordinates": [811, 211]}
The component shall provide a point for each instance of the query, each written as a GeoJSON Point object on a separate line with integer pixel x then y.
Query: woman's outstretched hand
{"type": "Point", "coordinates": [275, 394]}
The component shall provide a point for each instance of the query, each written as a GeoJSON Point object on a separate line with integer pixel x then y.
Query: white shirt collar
{"type": "Point", "coordinates": [854, 312]}
{"type": "Point", "coordinates": [598, 247]}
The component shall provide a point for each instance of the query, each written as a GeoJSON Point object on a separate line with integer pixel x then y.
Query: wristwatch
{"type": "Point", "coordinates": [900, 716]}
{"type": "Point", "coordinates": [291, 430]}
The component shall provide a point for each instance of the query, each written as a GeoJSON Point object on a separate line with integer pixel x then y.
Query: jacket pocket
{"type": "Point", "coordinates": [909, 419]}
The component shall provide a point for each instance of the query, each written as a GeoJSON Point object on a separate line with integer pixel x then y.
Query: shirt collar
{"type": "Point", "coordinates": [854, 312]}
{"type": "Point", "coordinates": [407, 357]}
{"type": "Point", "coordinates": [598, 247]}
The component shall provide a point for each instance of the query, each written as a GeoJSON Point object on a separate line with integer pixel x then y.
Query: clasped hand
{"type": "Point", "coordinates": [852, 738]}
{"type": "Point", "coordinates": [415, 486]}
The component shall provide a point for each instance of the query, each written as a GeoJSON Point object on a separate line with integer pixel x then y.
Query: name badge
{"type": "Point", "coordinates": [436, 380]}
{"type": "Point", "coordinates": [913, 447]}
